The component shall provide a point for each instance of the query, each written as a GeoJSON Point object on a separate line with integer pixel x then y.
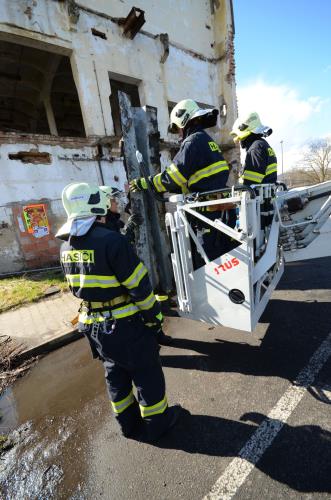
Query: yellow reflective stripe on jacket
{"type": "Point", "coordinates": [92, 280]}
{"type": "Point", "coordinates": [125, 311]}
{"type": "Point", "coordinates": [148, 411]}
{"type": "Point", "coordinates": [120, 406]}
{"type": "Point", "coordinates": [146, 303]}
{"type": "Point", "coordinates": [271, 169]}
{"type": "Point", "coordinates": [212, 169]}
{"type": "Point", "coordinates": [135, 278]}
{"type": "Point", "coordinates": [157, 181]}
{"type": "Point", "coordinates": [249, 175]}
{"type": "Point", "coordinates": [176, 176]}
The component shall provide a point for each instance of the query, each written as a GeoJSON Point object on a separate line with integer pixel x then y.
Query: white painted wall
{"type": "Point", "coordinates": [178, 18]}
{"type": "Point", "coordinates": [45, 24]}
{"type": "Point", "coordinates": [92, 58]}
{"type": "Point", "coordinates": [23, 182]}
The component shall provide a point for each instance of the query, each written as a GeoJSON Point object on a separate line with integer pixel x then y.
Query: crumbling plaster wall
{"type": "Point", "coordinates": [198, 66]}
{"type": "Point", "coordinates": [25, 184]}
{"type": "Point", "coordinates": [198, 42]}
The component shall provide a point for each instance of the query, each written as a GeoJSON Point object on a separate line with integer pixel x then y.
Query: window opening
{"type": "Point", "coordinates": [38, 93]}
{"type": "Point", "coordinates": [131, 90]}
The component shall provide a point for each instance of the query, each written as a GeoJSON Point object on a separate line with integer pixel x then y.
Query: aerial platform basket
{"type": "Point", "coordinates": [273, 226]}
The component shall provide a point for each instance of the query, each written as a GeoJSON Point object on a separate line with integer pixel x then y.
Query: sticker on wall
{"type": "Point", "coordinates": [21, 224]}
{"type": "Point", "coordinates": [36, 220]}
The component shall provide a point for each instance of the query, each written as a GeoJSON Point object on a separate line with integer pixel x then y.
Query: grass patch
{"type": "Point", "coordinates": [28, 288]}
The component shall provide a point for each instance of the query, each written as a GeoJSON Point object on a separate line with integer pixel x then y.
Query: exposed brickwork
{"type": "Point", "coordinates": [37, 252]}
{"type": "Point", "coordinates": [69, 142]}
{"type": "Point", "coordinates": [231, 74]}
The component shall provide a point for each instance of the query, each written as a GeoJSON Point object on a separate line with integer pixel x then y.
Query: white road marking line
{"type": "Point", "coordinates": [238, 470]}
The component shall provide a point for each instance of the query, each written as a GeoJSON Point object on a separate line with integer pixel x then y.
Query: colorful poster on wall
{"type": "Point", "coordinates": [36, 220]}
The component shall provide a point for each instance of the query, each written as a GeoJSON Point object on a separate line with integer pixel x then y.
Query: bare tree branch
{"type": "Point", "coordinates": [315, 165]}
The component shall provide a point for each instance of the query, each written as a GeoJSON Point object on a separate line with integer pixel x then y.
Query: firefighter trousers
{"type": "Point", "coordinates": [130, 354]}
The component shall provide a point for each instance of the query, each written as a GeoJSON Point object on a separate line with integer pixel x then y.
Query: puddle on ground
{"type": "Point", "coordinates": [50, 416]}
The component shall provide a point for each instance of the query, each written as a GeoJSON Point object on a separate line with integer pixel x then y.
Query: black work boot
{"type": "Point", "coordinates": [174, 414]}
{"type": "Point", "coordinates": [161, 424]}
{"type": "Point", "coordinates": [130, 422]}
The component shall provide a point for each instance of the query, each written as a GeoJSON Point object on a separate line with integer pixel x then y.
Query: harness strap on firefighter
{"type": "Point", "coordinates": [98, 312]}
{"type": "Point", "coordinates": [102, 306]}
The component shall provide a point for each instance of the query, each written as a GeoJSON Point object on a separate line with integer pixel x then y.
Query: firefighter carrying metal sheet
{"type": "Point", "coordinates": [119, 313]}
{"type": "Point", "coordinates": [117, 203]}
{"type": "Point", "coordinates": [260, 162]}
{"type": "Point", "coordinates": [197, 167]}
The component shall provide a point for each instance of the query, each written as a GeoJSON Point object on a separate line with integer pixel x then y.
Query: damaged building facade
{"type": "Point", "coordinates": [64, 66]}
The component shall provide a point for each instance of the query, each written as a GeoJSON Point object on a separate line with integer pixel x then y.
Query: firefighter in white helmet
{"type": "Point", "coordinates": [198, 166]}
{"type": "Point", "coordinates": [117, 205]}
{"type": "Point", "coordinates": [260, 162]}
{"type": "Point", "coordinates": [119, 313]}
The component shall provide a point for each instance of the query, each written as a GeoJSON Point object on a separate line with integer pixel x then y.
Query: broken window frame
{"type": "Point", "coordinates": [129, 86]}
{"type": "Point", "coordinates": [40, 120]}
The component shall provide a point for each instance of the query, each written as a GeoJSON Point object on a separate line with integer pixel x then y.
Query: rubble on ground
{"type": "Point", "coordinates": [12, 363]}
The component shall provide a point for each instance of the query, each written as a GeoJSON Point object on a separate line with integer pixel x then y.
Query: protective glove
{"type": "Point", "coordinates": [139, 184]}
{"type": "Point", "coordinates": [157, 323]}
{"type": "Point", "coordinates": [133, 221]}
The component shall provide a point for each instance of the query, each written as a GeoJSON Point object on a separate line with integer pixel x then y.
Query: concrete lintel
{"type": "Point", "coordinates": [16, 34]}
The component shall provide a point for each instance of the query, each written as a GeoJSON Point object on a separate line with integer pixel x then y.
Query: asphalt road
{"type": "Point", "coordinates": [250, 432]}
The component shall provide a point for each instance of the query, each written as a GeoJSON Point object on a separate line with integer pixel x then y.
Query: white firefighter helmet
{"type": "Point", "coordinates": [250, 124]}
{"type": "Point", "coordinates": [183, 112]}
{"type": "Point", "coordinates": [81, 199]}
{"type": "Point", "coordinates": [113, 193]}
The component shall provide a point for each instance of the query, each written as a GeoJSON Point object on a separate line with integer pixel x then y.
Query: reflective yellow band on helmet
{"type": "Point", "coordinates": [125, 311]}
{"type": "Point", "coordinates": [147, 303]}
{"type": "Point", "coordinates": [157, 181]}
{"type": "Point", "coordinates": [91, 281]}
{"type": "Point", "coordinates": [176, 176]}
{"type": "Point", "coordinates": [135, 278]}
{"type": "Point", "coordinates": [148, 411]}
{"type": "Point", "coordinates": [271, 169]}
{"type": "Point", "coordinates": [249, 175]}
{"type": "Point", "coordinates": [212, 169]}
{"type": "Point", "coordinates": [120, 406]}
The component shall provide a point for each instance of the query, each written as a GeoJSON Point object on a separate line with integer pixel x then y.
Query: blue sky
{"type": "Point", "coordinates": [283, 69]}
